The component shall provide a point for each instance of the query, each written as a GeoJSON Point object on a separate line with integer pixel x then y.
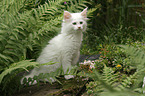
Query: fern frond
{"type": "Point", "coordinates": [126, 83]}
{"type": "Point", "coordinates": [16, 6]}
{"type": "Point", "coordinates": [121, 93]}
{"type": "Point", "coordinates": [109, 76]}
{"type": "Point", "coordinates": [138, 60]}
{"type": "Point", "coordinates": [20, 65]}
{"type": "Point", "coordinates": [11, 7]}
{"type": "Point", "coordinates": [138, 55]}
{"type": "Point", "coordinates": [49, 9]}
{"type": "Point", "coordinates": [90, 12]}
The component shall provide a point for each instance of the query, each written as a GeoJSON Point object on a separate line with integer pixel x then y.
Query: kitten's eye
{"type": "Point", "coordinates": [81, 22]}
{"type": "Point", "coordinates": [74, 23]}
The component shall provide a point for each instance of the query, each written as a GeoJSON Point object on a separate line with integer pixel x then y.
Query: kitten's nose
{"type": "Point", "coordinates": [79, 27]}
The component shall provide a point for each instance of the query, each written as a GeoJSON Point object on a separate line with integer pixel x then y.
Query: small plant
{"type": "Point", "coordinates": [115, 71]}
{"type": "Point", "coordinates": [115, 57]}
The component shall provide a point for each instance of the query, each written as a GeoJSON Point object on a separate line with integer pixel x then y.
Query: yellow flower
{"type": "Point", "coordinates": [118, 66]}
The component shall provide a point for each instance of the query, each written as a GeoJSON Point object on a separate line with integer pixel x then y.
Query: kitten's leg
{"type": "Point", "coordinates": [73, 62]}
{"type": "Point", "coordinates": [66, 64]}
{"type": "Point", "coordinates": [76, 58]}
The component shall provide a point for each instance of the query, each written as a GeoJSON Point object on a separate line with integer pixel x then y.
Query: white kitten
{"type": "Point", "coordinates": [64, 48]}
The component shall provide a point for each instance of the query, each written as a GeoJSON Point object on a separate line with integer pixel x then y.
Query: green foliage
{"type": "Point", "coordinates": [9, 73]}
{"type": "Point", "coordinates": [49, 76]}
{"type": "Point", "coordinates": [118, 69]}
{"type": "Point", "coordinates": [115, 57]}
{"type": "Point", "coordinates": [27, 25]}
{"type": "Point", "coordinates": [121, 34]}
{"type": "Point", "coordinates": [138, 60]}
{"type": "Point", "coordinates": [114, 21]}
{"type": "Point", "coordinates": [137, 55]}
{"type": "Point", "coordinates": [15, 66]}
{"type": "Point", "coordinates": [25, 28]}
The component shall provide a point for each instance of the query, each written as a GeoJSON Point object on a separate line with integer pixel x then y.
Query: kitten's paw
{"type": "Point", "coordinates": [50, 80]}
{"type": "Point", "coordinates": [22, 81]}
{"type": "Point", "coordinates": [33, 82]}
{"type": "Point", "coordinates": [69, 76]}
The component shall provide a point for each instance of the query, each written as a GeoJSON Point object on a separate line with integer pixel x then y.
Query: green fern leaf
{"type": "Point", "coordinates": [20, 65]}
{"type": "Point", "coordinates": [137, 55]}
{"type": "Point", "coordinates": [6, 58]}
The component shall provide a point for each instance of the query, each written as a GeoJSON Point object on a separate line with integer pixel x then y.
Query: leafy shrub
{"type": "Point", "coordinates": [117, 69]}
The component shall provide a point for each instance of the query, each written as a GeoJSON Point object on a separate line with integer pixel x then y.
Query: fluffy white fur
{"type": "Point", "coordinates": [65, 47]}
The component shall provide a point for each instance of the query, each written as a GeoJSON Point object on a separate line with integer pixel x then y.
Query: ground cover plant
{"type": "Point", "coordinates": [27, 25]}
{"type": "Point", "coordinates": [118, 69]}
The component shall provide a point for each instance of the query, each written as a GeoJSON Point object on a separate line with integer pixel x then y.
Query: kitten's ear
{"type": "Point", "coordinates": [84, 13]}
{"type": "Point", "coordinates": [67, 15]}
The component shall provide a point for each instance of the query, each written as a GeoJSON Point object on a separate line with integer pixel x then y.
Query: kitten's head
{"type": "Point", "coordinates": [75, 21]}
